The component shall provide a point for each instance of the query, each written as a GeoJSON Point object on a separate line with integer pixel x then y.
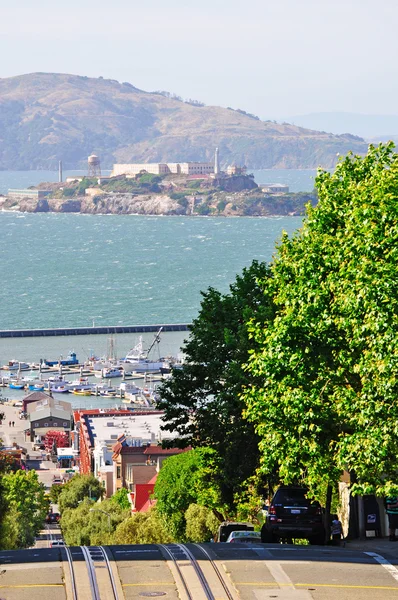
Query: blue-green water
{"type": "Point", "coordinates": [61, 270]}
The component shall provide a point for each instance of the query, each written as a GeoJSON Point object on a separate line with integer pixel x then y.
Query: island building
{"type": "Point", "coordinates": [21, 194]}
{"type": "Point", "coordinates": [274, 188]}
{"type": "Point", "coordinates": [183, 168]}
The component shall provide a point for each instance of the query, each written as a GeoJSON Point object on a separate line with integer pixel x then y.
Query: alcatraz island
{"type": "Point", "coordinates": [180, 188]}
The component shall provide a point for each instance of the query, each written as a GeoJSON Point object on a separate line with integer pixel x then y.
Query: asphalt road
{"type": "Point", "coordinates": [257, 572]}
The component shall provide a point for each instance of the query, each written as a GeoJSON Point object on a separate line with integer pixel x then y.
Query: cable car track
{"type": "Point", "coordinates": [191, 575]}
{"type": "Point", "coordinates": [98, 570]}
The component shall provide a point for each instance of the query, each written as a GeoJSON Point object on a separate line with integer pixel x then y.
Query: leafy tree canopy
{"type": "Point", "coordinates": [193, 477]}
{"type": "Point", "coordinates": [202, 401]}
{"type": "Point", "coordinates": [328, 361]}
{"type": "Point", "coordinates": [79, 488]}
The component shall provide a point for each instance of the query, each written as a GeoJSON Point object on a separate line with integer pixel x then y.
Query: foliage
{"type": "Point", "coordinates": [221, 205]}
{"type": "Point", "coordinates": [148, 178]}
{"type": "Point", "coordinates": [88, 523]}
{"type": "Point", "coordinates": [193, 477]}
{"type": "Point", "coordinates": [329, 360]}
{"type": "Point", "coordinates": [55, 492]}
{"type": "Point", "coordinates": [8, 463]}
{"type": "Point", "coordinates": [120, 498]}
{"type": "Point", "coordinates": [201, 523]}
{"type": "Point", "coordinates": [143, 528]}
{"type": "Point", "coordinates": [202, 401]}
{"type": "Point", "coordinates": [203, 209]}
{"type": "Point", "coordinates": [79, 488]}
{"type": "Point", "coordinates": [24, 506]}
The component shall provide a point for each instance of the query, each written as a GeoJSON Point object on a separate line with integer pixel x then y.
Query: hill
{"type": "Point", "coordinates": [45, 117]}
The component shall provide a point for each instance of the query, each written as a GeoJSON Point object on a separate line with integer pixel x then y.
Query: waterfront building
{"type": "Point", "coordinates": [274, 188]}
{"type": "Point", "coordinates": [49, 414]}
{"type": "Point", "coordinates": [21, 194]}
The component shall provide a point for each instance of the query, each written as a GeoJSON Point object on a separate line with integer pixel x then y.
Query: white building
{"type": "Point", "coordinates": [179, 168]}
{"type": "Point", "coordinates": [274, 188]}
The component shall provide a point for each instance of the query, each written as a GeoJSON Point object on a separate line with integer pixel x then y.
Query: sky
{"type": "Point", "coordinates": [271, 58]}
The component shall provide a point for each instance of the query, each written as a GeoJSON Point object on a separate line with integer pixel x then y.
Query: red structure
{"type": "Point", "coordinates": [60, 438]}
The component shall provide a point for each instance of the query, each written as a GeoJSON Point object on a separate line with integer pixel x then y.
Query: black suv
{"type": "Point", "coordinates": [292, 515]}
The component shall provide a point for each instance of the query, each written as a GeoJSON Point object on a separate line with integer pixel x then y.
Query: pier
{"type": "Point", "coordinates": [17, 333]}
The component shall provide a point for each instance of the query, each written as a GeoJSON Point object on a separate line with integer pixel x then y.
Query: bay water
{"type": "Point", "coordinates": [72, 270]}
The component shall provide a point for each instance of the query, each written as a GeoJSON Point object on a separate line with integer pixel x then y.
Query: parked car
{"type": "Point", "coordinates": [57, 481]}
{"type": "Point", "coordinates": [228, 526]}
{"type": "Point", "coordinates": [251, 537]}
{"type": "Point", "coordinates": [53, 518]}
{"type": "Point", "coordinates": [292, 515]}
{"type": "Point", "coordinates": [57, 544]}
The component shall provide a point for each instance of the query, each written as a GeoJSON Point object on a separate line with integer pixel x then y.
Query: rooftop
{"type": "Point", "coordinates": [142, 428]}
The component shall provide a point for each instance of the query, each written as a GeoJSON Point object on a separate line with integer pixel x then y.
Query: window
{"type": "Point", "coordinates": [65, 424]}
{"type": "Point", "coordinates": [45, 424]}
{"type": "Point", "coordinates": [55, 424]}
{"type": "Point", "coordinates": [118, 472]}
{"type": "Point", "coordinates": [36, 424]}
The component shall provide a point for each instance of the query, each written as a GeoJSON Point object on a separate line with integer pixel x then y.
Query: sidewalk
{"type": "Point", "coordinates": [380, 545]}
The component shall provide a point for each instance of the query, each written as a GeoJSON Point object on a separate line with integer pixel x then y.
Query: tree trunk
{"type": "Point", "coordinates": [329, 493]}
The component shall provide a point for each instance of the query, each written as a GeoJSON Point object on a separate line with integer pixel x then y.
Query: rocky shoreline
{"type": "Point", "coordinates": [245, 203]}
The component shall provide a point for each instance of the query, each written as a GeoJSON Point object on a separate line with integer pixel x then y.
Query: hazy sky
{"type": "Point", "coordinates": [273, 58]}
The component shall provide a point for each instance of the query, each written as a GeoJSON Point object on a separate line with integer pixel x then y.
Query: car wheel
{"type": "Point", "coordinates": [317, 540]}
{"type": "Point", "coordinates": [267, 537]}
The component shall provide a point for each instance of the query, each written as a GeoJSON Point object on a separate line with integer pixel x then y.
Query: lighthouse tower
{"type": "Point", "coordinates": [216, 163]}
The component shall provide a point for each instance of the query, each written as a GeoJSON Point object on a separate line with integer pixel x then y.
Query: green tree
{"type": "Point", "coordinates": [201, 523]}
{"type": "Point", "coordinates": [24, 506]}
{"type": "Point", "coordinates": [143, 528]}
{"type": "Point", "coordinates": [329, 359]}
{"type": "Point", "coordinates": [79, 488]}
{"type": "Point", "coordinates": [92, 523]}
{"type": "Point", "coordinates": [120, 498]}
{"type": "Point", "coordinates": [194, 477]}
{"type": "Point", "coordinates": [202, 401]}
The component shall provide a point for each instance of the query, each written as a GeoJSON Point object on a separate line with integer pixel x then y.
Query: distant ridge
{"type": "Point", "coordinates": [45, 117]}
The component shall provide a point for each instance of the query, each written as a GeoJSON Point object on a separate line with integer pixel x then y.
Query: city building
{"type": "Point", "coordinates": [49, 414]}
{"type": "Point", "coordinates": [99, 430]}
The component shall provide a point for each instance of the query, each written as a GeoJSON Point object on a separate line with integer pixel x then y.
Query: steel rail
{"type": "Point", "coordinates": [111, 577]}
{"type": "Point", "coordinates": [91, 573]}
{"type": "Point", "coordinates": [199, 573]}
{"type": "Point", "coordinates": [174, 559]}
{"type": "Point", "coordinates": [205, 585]}
{"type": "Point", "coordinates": [217, 571]}
{"type": "Point", "coordinates": [72, 572]}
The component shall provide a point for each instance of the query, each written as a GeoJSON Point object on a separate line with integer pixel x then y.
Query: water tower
{"type": "Point", "coordinates": [94, 166]}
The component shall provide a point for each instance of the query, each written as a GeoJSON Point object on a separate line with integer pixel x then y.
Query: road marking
{"type": "Point", "coordinates": [151, 583]}
{"type": "Point", "coordinates": [384, 563]}
{"type": "Point", "coordinates": [33, 585]}
{"type": "Point", "coordinates": [315, 585]}
{"type": "Point", "coordinates": [283, 580]}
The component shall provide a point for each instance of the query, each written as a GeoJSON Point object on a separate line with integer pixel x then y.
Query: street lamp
{"type": "Point", "coordinates": [105, 513]}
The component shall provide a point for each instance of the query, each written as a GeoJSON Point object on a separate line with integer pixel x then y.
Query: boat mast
{"type": "Point", "coordinates": [155, 340]}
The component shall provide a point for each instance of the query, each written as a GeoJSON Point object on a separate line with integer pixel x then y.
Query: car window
{"type": "Point", "coordinates": [291, 497]}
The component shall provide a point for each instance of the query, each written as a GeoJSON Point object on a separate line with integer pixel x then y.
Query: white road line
{"type": "Point", "coordinates": [384, 563]}
{"type": "Point", "coordinates": [281, 577]}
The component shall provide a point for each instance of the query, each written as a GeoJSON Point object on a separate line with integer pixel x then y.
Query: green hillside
{"type": "Point", "coordinates": [45, 117]}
